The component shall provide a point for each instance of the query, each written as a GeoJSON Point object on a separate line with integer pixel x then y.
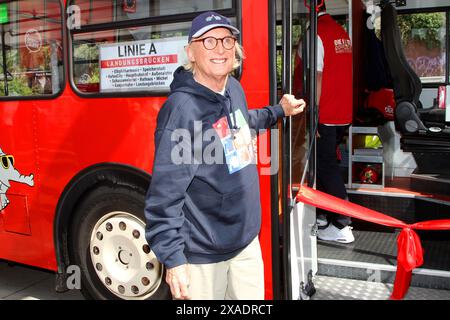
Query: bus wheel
{"type": "Point", "coordinates": [107, 242]}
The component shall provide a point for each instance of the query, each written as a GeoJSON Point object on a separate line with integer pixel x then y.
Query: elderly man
{"type": "Point", "coordinates": [203, 218]}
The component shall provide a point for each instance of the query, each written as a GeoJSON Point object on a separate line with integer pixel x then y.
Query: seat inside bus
{"type": "Point", "coordinates": [422, 129]}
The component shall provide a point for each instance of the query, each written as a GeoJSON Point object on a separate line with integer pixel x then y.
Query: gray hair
{"type": "Point", "coordinates": [190, 66]}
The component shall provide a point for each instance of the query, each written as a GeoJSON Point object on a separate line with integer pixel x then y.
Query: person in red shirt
{"type": "Point", "coordinates": [334, 97]}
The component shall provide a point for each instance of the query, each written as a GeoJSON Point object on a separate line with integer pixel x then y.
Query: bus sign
{"type": "Point", "coordinates": [4, 17]}
{"type": "Point", "coordinates": [138, 65]}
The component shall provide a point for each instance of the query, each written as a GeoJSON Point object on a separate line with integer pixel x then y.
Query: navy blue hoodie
{"type": "Point", "coordinates": [198, 211]}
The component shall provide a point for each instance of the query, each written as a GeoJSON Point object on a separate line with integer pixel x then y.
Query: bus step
{"type": "Point", "coordinates": [335, 288]}
{"type": "Point", "coordinates": [431, 183]}
{"type": "Point", "coordinates": [373, 257]}
{"type": "Point", "coordinates": [422, 278]}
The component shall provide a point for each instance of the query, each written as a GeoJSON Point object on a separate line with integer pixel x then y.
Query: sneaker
{"type": "Point", "coordinates": [331, 233]}
{"type": "Point", "coordinates": [321, 220]}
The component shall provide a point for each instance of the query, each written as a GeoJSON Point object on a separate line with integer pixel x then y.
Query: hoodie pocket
{"type": "Point", "coordinates": [202, 205]}
{"type": "Point", "coordinates": [221, 223]}
{"type": "Point", "coordinates": [240, 217]}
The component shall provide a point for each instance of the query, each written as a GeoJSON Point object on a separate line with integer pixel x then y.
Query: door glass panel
{"type": "Point", "coordinates": [300, 88]}
{"type": "Point", "coordinates": [302, 244]}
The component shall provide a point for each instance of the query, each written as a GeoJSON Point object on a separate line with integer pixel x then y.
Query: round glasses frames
{"type": "Point", "coordinates": [210, 43]}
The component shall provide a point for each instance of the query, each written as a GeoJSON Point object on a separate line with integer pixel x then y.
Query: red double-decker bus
{"type": "Point", "coordinates": [81, 84]}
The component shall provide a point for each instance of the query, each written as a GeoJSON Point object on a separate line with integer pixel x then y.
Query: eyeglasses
{"type": "Point", "coordinates": [5, 162]}
{"type": "Point", "coordinates": [210, 43]}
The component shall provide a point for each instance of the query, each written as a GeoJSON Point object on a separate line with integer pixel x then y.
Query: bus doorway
{"type": "Point", "coordinates": [401, 174]}
{"type": "Point", "coordinates": [296, 24]}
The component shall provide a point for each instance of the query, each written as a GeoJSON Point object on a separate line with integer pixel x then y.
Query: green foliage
{"type": "Point", "coordinates": [89, 54]}
{"type": "Point", "coordinates": [16, 87]}
{"type": "Point", "coordinates": [423, 27]}
{"type": "Point", "coordinates": [95, 76]}
{"type": "Point", "coordinates": [86, 51]}
{"type": "Point", "coordinates": [298, 33]}
{"type": "Point", "coordinates": [18, 82]}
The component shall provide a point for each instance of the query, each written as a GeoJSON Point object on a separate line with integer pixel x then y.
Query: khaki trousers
{"type": "Point", "coordinates": [240, 278]}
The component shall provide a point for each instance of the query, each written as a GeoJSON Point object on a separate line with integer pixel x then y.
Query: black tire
{"type": "Point", "coordinates": [106, 202]}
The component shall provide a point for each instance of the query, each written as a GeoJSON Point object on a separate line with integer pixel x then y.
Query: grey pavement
{"type": "Point", "coordinates": [18, 282]}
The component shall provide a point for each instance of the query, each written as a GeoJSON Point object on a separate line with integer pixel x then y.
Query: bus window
{"type": "Point", "coordinates": [107, 11]}
{"type": "Point", "coordinates": [31, 62]}
{"type": "Point", "coordinates": [97, 58]}
{"type": "Point", "coordinates": [138, 57]}
{"type": "Point", "coordinates": [423, 37]}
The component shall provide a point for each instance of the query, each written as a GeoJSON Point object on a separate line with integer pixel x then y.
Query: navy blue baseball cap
{"type": "Point", "coordinates": [208, 21]}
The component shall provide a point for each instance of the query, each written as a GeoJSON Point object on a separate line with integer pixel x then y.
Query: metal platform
{"type": "Point", "coordinates": [332, 288]}
{"type": "Point", "coordinates": [381, 248]}
{"type": "Point", "coordinates": [373, 257]}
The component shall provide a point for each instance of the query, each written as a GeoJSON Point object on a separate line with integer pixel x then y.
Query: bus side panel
{"type": "Point", "coordinates": [66, 141]}
{"type": "Point", "coordinates": [255, 80]}
{"type": "Point", "coordinates": [18, 178]}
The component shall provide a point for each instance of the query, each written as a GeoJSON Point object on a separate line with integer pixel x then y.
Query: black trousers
{"type": "Point", "coordinates": [329, 178]}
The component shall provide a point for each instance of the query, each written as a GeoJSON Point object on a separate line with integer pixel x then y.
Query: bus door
{"type": "Point", "coordinates": [299, 26]}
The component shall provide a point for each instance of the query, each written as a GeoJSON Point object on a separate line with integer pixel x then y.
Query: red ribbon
{"type": "Point", "coordinates": [409, 247]}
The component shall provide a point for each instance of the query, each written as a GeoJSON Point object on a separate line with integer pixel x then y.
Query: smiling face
{"type": "Point", "coordinates": [212, 66]}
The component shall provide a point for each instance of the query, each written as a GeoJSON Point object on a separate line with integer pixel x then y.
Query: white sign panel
{"type": "Point", "coordinates": [140, 65]}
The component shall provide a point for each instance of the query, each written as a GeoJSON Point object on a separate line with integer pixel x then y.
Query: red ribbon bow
{"type": "Point", "coordinates": [409, 247]}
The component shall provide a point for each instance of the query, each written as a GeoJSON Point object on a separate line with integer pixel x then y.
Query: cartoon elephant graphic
{"type": "Point", "coordinates": [9, 173]}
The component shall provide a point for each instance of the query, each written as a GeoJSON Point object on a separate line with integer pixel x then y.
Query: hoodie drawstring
{"type": "Point", "coordinates": [230, 113]}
